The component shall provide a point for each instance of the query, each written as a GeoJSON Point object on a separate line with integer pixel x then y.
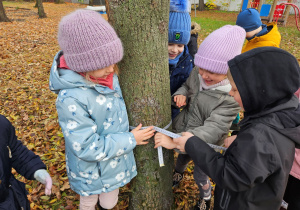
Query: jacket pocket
{"type": "Point", "coordinates": [225, 199]}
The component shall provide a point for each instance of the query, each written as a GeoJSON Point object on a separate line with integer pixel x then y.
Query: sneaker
{"type": "Point", "coordinates": [202, 204]}
{"type": "Point", "coordinates": [177, 177]}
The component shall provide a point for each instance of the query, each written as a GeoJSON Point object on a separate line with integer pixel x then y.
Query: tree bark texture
{"type": "Point", "coordinates": [201, 5]}
{"type": "Point", "coordinates": [41, 11]}
{"type": "Point", "coordinates": [142, 26]}
{"type": "Point", "coordinates": [3, 17]}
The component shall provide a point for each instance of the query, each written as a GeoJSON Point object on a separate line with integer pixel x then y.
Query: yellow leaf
{"type": "Point", "coordinates": [53, 200]}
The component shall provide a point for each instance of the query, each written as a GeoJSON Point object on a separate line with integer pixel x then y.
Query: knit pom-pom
{"type": "Point", "coordinates": [178, 5]}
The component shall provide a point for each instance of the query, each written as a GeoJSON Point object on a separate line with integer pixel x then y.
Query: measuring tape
{"type": "Point", "coordinates": [172, 135]}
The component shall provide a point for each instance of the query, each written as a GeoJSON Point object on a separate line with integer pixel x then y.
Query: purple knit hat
{"type": "Point", "coordinates": [219, 47]}
{"type": "Point", "coordinates": [88, 41]}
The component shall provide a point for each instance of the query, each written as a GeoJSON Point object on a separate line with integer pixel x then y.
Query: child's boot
{"type": "Point", "coordinates": [202, 204]}
{"type": "Point", "coordinates": [177, 177]}
{"type": "Point", "coordinates": [205, 196]}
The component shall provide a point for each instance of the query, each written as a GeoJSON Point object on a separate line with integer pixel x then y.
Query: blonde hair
{"type": "Point", "coordinates": [229, 75]}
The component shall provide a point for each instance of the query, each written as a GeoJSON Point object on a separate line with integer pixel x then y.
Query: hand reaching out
{"type": "Point", "coordinates": [164, 141]}
{"type": "Point", "coordinates": [229, 140]}
{"type": "Point", "coordinates": [181, 141]}
{"type": "Point", "coordinates": [42, 176]}
{"type": "Point", "coordinates": [142, 134]}
{"type": "Point", "coordinates": [180, 100]}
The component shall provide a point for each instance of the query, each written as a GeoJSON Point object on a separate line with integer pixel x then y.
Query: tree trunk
{"type": "Point", "coordinates": [201, 5]}
{"type": "Point", "coordinates": [144, 77]}
{"type": "Point", "coordinates": [41, 11]}
{"type": "Point", "coordinates": [3, 17]}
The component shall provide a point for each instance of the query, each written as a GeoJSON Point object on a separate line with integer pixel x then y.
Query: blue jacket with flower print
{"type": "Point", "coordinates": [94, 121]}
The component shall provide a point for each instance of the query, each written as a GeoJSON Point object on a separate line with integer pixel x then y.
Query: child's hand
{"type": "Point", "coordinates": [163, 140]}
{"type": "Point", "coordinates": [181, 141]}
{"type": "Point", "coordinates": [229, 140]}
{"type": "Point", "coordinates": [180, 100]}
{"type": "Point", "coordinates": [141, 135]}
{"type": "Point", "coordinates": [42, 176]}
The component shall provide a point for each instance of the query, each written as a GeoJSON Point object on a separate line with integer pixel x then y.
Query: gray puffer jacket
{"type": "Point", "coordinates": [208, 113]}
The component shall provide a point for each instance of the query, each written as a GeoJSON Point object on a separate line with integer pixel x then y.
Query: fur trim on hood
{"type": "Point", "coordinates": [195, 28]}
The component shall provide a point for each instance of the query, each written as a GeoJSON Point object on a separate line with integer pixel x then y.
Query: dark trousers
{"type": "Point", "coordinates": [292, 193]}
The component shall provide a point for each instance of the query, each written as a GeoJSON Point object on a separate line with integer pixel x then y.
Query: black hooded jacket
{"type": "Point", "coordinates": [253, 173]}
{"type": "Point", "coordinates": [13, 154]}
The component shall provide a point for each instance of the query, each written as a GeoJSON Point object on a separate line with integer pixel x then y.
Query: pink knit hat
{"type": "Point", "coordinates": [219, 47]}
{"type": "Point", "coordinates": [88, 41]}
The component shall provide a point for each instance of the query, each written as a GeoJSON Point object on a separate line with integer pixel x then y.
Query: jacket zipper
{"type": "Point", "coordinates": [15, 195]}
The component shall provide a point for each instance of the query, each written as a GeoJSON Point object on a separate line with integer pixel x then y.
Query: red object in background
{"type": "Point", "coordinates": [278, 11]}
{"type": "Point", "coordinates": [255, 4]}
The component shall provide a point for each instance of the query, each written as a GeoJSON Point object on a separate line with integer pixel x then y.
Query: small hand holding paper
{"type": "Point", "coordinates": [181, 141]}
{"type": "Point", "coordinates": [42, 176]}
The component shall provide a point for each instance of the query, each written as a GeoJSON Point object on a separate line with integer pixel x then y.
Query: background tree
{"type": "Point", "coordinates": [143, 28]}
{"type": "Point", "coordinates": [39, 5]}
{"type": "Point", "coordinates": [3, 17]}
{"type": "Point", "coordinates": [201, 5]}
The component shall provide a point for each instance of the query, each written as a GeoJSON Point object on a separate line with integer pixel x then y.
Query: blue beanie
{"type": "Point", "coordinates": [179, 22]}
{"type": "Point", "coordinates": [249, 19]}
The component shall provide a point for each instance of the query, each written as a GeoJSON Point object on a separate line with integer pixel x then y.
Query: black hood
{"type": "Point", "coordinates": [265, 77]}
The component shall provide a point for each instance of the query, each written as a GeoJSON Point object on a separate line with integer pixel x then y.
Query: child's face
{"type": "Point", "coordinates": [174, 50]}
{"type": "Point", "coordinates": [211, 78]}
{"type": "Point", "coordinates": [103, 73]}
{"type": "Point", "coordinates": [235, 93]}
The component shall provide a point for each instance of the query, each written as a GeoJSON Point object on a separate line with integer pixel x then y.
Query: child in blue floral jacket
{"type": "Point", "coordinates": [91, 110]}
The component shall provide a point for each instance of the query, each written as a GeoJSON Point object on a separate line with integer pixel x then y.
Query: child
{"type": "Point", "coordinates": [210, 110]}
{"type": "Point", "coordinates": [254, 171]}
{"type": "Point", "coordinates": [14, 154]}
{"type": "Point", "coordinates": [180, 60]}
{"type": "Point", "coordinates": [257, 34]}
{"type": "Point", "coordinates": [193, 44]}
{"type": "Point", "coordinates": [91, 110]}
{"type": "Point", "coordinates": [292, 195]}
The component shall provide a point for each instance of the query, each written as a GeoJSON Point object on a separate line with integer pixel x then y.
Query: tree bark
{"type": "Point", "coordinates": [41, 11]}
{"type": "Point", "coordinates": [3, 17]}
{"type": "Point", "coordinates": [144, 77]}
{"type": "Point", "coordinates": [201, 5]}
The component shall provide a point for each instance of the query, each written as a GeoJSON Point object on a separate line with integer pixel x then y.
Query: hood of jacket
{"type": "Point", "coordinates": [195, 28]}
{"type": "Point", "coordinates": [271, 39]}
{"type": "Point", "coordinates": [267, 79]}
{"type": "Point", "coordinates": [62, 79]}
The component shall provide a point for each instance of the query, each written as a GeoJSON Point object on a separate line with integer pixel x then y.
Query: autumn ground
{"type": "Point", "coordinates": [27, 47]}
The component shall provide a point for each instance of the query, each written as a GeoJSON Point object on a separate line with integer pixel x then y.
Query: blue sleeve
{"type": "Point", "coordinates": [82, 136]}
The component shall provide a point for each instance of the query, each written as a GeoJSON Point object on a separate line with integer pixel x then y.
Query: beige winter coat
{"type": "Point", "coordinates": [208, 114]}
